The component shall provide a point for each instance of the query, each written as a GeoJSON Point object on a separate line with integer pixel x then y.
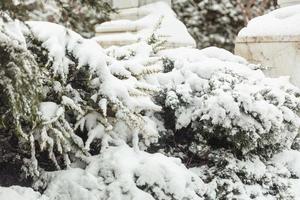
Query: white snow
{"type": "Point", "coordinates": [281, 22]}
{"type": "Point", "coordinates": [57, 39]}
{"type": "Point", "coordinates": [48, 110]}
{"type": "Point", "coordinates": [121, 173]}
{"type": "Point", "coordinates": [289, 159]}
{"type": "Point", "coordinates": [19, 193]}
{"type": "Point", "coordinates": [295, 185]}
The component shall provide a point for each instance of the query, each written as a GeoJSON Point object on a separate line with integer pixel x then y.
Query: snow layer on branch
{"type": "Point", "coordinates": [122, 173]}
{"type": "Point", "coordinates": [127, 94]}
{"type": "Point", "coordinates": [19, 193]}
{"type": "Point", "coordinates": [48, 110]}
{"type": "Point", "coordinates": [284, 22]}
{"type": "Point", "coordinates": [289, 159]}
{"type": "Point", "coordinates": [60, 42]}
{"type": "Point", "coordinates": [13, 30]}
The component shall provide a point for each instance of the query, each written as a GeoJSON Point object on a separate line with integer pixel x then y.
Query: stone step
{"type": "Point", "coordinates": [129, 13]}
{"type": "Point", "coordinates": [116, 26]}
{"type": "Point", "coordinates": [127, 38]}
{"type": "Point", "coordinates": [135, 24]}
{"type": "Point", "coordinates": [123, 21]}
{"type": "Point", "coordinates": [117, 39]}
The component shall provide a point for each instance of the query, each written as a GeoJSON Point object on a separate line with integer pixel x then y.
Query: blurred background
{"type": "Point", "coordinates": [217, 22]}
{"type": "Point", "coordinates": [210, 22]}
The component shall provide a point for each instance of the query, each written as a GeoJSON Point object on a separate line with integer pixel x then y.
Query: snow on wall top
{"type": "Point", "coordinates": [284, 21]}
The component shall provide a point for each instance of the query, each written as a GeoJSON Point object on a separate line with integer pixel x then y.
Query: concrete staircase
{"type": "Point", "coordinates": [136, 19]}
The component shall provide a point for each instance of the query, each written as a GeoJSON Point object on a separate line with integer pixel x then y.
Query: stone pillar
{"type": "Point", "coordinates": [137, 18]}
{"type": "Point", "coordinates": [273, 41]}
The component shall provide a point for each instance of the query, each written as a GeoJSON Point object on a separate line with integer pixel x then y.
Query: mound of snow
{"type": "Point", "coordinates": [284, 21]}
{"type": "Point", "coordinates": [122, 173]}
{"type": "Point", "coordinates": [289, 159]}
{"type": "Point", "coordinates": [48, 110]}
{"type": "Point", "coordinates": [19, 193]}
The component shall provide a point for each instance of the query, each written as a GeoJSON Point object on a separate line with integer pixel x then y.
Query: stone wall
{"type": "Point", "coordinates": [279, 55]}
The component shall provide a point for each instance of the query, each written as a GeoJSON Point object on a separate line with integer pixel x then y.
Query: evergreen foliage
{"type": "Point", "coordinates": [226, 120]}
{"type": "Point", "coordinates": [59, 95]}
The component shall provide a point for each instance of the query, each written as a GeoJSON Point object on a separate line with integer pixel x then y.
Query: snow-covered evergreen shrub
{"type": "Point", "coordinates": [225, 119]}
{"type": "Point", "coordinates": [85, 94]}
{"type": "Point", "coordinates": [220, 114]}
{"type": "Point", "coordinates": [217, 97]}
{"type": "Point", "coordinates": [62, 96]}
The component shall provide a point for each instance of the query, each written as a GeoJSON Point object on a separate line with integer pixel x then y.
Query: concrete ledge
{"type": "Point", "coordinates": [116, 26]}
{"type": "Point", "coordinates": [126, 38]}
